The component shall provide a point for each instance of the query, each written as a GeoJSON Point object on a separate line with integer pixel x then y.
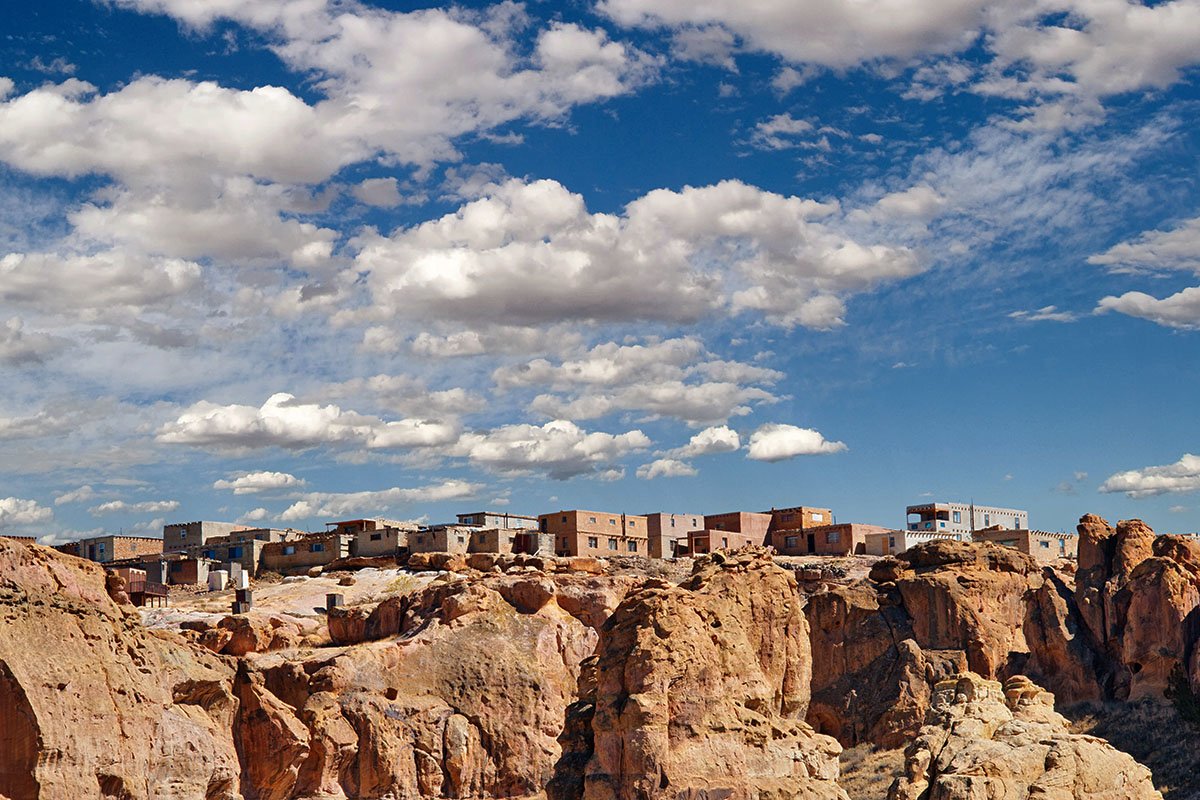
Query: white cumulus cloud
{"type": "Point", "coordinates": [144, 507]}
{"type": "Point", "coordinates": [15, 511]}
{"type": "Point", "coordinates": [253, 482]}
{"type": "Point", "coordinates": [666, 468]}
{"type": "Point", "coordinates": [777, 442]}
{"type": "Point", "coordinates": [1181, 477]}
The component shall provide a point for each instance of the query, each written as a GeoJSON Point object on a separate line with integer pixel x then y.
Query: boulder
{"type": "Point", "coordinates": [987, 740]}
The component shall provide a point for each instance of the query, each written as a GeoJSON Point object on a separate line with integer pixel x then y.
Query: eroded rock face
{"type": "Point", "coordinates": [458, 690]}
{"type": "Point", "coordinates": [93, 705]}
{"type": "Point", "coordinates": [983, 740]}
{"type": "Point", "coordinates": [700, 690]}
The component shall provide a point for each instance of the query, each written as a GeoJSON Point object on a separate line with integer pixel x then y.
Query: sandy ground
{"type": "Point", "coordinates": [299, 599]}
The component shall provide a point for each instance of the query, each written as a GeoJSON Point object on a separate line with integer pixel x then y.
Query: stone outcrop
{"type": "Point", "coordinates": [93, 705]}
{"type": "Point", "coordinates": [700, 690]}
{"type": "Point", "coordinates": [457, 690]}
{"type": "Point", "coordinates": [1138, 595]}
{"type": "Point", "coordinates": [983, 740]}
{"type": "Point", "coordinates": [240, 634]}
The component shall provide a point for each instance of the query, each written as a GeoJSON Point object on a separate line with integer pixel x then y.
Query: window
{"type": "Point", "coordinates": [791, 541]}
{"type": "Point", "coordinates": [833, 537]}
{"type": "Point", "coordinates": [818, 517]}
{"type": "Point", "coordinates": [612, 544]}
{"type": "Point", "coordinates": [633, 545]}
{"type": "Point", "coordinates": [564, 518]}
{"type": "Point", "coordinates": [891, 542]}
{"type": "Point", "coordinates": [235, 552]}
{"type": "Point", "coordinates": [420, 540]}
{"type": "Point", "coordinates": [1045, 544]}
{"type": "Point", "coordinates": [317, 547]}
{"type": "Point", "coordinates": [632, 523]}
{"type": "Point", "coordinates": [612, 521]}
{"type": "Point", "coordinates": [593, 542]}
{"type": "Point", "coordinates": [787, 517]}
{"type": "Point", "coordinates": [941, 524]}
{"type": "Point", "coordinates": [564, 542]}
{"type": "Point", "coordinates": [592, 520]}
{"type": "Point", "coordinates": [725, 542]}
{"type": "Point", "coordinates": [958, 516]}
{"type": "Point", "coordinates": [183, 534]}
{"type": "Point", "coordinates": [100, 547]}
{"type": "Point", "coordinates": [461, 540]}
{"type": "Point", "coordinates": [672, 522]}
{"type": "Point", "coordinates": [375, 537]}
{"type": "Point", "coordinates": [176, 566]}
{"type": "Point", "coordinates": [987, 520]}
{"type": "Point", "coordinates": [289, 550]}
{"type": "Point", "coordinates": [210, 554]}
{"type": "Point", "coordinates": [693, 522]}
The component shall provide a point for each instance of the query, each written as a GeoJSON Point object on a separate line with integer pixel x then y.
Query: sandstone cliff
{"type": "Point", "coordinates": [92, 705]}
{"type": "Point", "coordinates": [700, 690]}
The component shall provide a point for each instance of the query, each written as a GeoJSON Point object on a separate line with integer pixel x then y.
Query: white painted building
{"type": "Point", "coordinates": [964, 518]}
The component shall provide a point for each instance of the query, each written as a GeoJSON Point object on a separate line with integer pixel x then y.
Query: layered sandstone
{"type": "Point", "coordinates": [700, 690]}
{"type": "Point", "coordinates": [984, 740]}
{"type": "Point", "coordinates": [457, 690]}
{"type": "Point", "coordinates": [92, 705]}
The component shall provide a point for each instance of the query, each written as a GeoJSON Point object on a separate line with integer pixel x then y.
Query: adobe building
{"type": "Point", "coordinates": [441, 539]}
{"type": "Point", "coordinates": [890, 543]}
{"type": "Point", "coordinates": [747, 523]}
{"type": "Point", "coordinates": [798, 518]}
{"type": "Point", "coordinates": [374, 536]}
{"type": "Point", "coordinates": [300, 555]}
{"type": "Point", "coordinates": [141, 591]}
{"type": "Point", "coordinates": [1042, 545]}
{"type": "Point", "coordinates": [180, 535]}
{"type": "Point", "coordinates": [354, 527]}
{"type": "Point", "coordinates": [963, 518]}
{"type": "Point", "coordinates": [708, 541]}
{"type": "Point", "coordinates": [382, 542]}
{"type": "Point", "coordinates": [595, 533]}
{"type": "Point", "coordinates": [846, 538]}
{"type": "Point", "coordinates": [497, 519]}
{"type": "Point", "coordinates": [664, 530]}
{"type": "Point", "coordinates": [113, 547]}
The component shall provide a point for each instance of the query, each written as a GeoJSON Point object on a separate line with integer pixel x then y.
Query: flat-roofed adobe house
{"type": "Point", "coordinates": [113, 547]}
{"type": "Point", "coordinates": [501, 520]}
{"type": "Point", "coordinates": [890, 542]}
{"type": "Point", "coordinates": [845, 538]}
{"type": "Point", "coordinates": [1042, 545]}
{"type": "Point", "coordinates": [964, 518]}
{"type": "Point", "coordinates": [595, 533]}
{"type": "Point", "coordinates": [663, 531]}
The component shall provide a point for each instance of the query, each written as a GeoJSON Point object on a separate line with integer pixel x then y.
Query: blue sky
{"type": "Point", "coordinates": [292, 261]}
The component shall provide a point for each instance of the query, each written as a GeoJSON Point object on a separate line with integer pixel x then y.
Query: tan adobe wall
{"type": "Point", "coordinates": [799, 518]}
{"type": "Point", "coordinates": [450, 539]}
{"type": "Point", "coordinates": [129, 547]}
{"type": "Point", "coordinates": [596, 533]}
{"type": "Point", "coordinates": [749, 523]}
{"type": "Point", "coordinates": [495, 540]}
{"type": "Point", "coordinates": [708, 541]}
{"type": "Point", "coordinates": [288, 557]}
{"type": "Point", "coordinates": [380, 542]}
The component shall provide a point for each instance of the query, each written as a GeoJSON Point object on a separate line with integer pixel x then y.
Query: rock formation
{"type": "Point", "coordinates": [457, 690]}
{"type": "Point", "coordinates": [700, 690]}
{"type": "Point", "coordinates": [984, 741]}
{"type": "Point", "coordinates": [513, 677]}
{"type": "Point", "coordinates": [93, 705]}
